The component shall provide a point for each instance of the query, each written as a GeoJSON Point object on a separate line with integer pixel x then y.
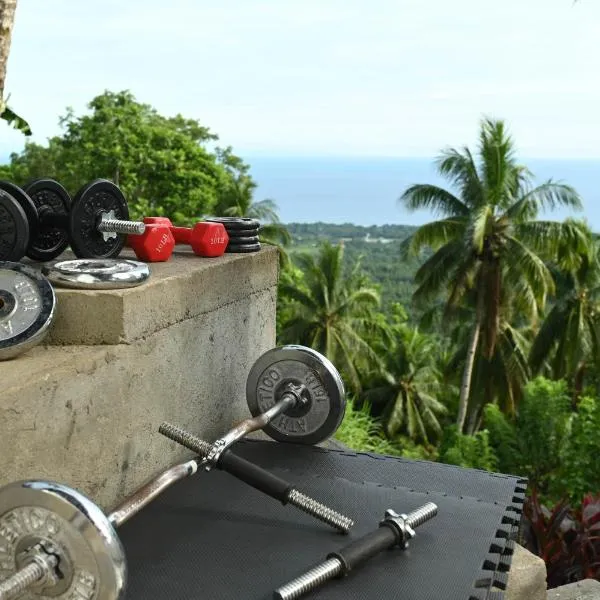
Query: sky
{"type": "Point", "coordinates": [321, 77]}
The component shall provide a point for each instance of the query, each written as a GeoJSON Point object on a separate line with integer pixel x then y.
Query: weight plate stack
{"type": "Point", "coordinates": [243, 233]}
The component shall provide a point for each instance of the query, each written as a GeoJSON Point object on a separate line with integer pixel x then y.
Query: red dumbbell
{"type": "Point", "coordinates": [156, 244]}
{"type": "Point", "coordinates": [206, 238]}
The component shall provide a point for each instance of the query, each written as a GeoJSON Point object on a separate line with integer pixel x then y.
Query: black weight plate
{"type": "Point", "coordinates": [90, 202]}
{"type": "Point", "coordinates": [240, 233]}
{"type": "Point", "coordinates": [26, 204]}
{"type": "Point", "coordinates": [50, 198]}
{"type": "Point", "coordinates": [238, 241]}
{"type": "Point", "coordinates": [14, 229]}
{"type": "Point", "coordinates": [235, 222]}
{"type": "Point", "coordinates": [235, 248]}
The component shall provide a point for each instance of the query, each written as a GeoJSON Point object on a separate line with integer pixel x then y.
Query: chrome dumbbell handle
{"type": "Point", "coordinates": [260, 479]}
{"type": "Point", "coordinates": [290, 398]}
{"type": "Point", "coordinates": [394, 530]}
{"type": "Point", "coordinates": [109, 226]}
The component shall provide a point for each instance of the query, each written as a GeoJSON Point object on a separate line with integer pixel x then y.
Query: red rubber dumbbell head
{"type": "Point", "coordinates": [156, 244]}
{"type": "Point", "coordinates": [209, 239]}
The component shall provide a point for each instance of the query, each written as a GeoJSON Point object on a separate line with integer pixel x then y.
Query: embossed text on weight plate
{"type": "Point", "coordinates": [25, 521]}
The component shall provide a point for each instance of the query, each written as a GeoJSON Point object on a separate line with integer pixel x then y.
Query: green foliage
{"type": "Point", "coordinates": [472, 451]}
{"type": "Point", "coordinates": [580, 459]}
{"type": "Point", "coordinates": [503, 439]}
{"type": "Point", "coordinates": [162, 164]}
{"type": "Point", "coordinates": [14, 120]}
{"type": "Point", "coordinates": [361, 431]}
{"type": "Point", "coordinates": [541, 427]}
{"type": "Point", "coordinates": [333, 311]}
{"type": "Point", "coordinates": [378, 247]}
{"type": "Point", "coordinates": [409, 387]}
{"type": "Point", "coordinates": [553, 446]}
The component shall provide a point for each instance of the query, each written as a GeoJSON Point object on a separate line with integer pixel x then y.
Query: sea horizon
{"type": "Point", "coordinates": [364, 190]}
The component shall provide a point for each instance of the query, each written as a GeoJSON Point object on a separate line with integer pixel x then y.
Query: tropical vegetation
{"type": "Point", "coordinates": [473, 339]}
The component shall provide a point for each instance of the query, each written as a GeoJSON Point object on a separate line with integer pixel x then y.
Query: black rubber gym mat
{"type": "Point", "coordinates": [212, 537]}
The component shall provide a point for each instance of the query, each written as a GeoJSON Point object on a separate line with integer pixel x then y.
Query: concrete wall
{"type": "Point", "coordinates": [84, 409]}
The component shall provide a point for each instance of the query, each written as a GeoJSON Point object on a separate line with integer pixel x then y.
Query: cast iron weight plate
{"type": "Point", "coordinates": [234, 223]}
{"type": "Point", "coordinates": [26, 204]}
{"type": "Point", "coordinates": [14, 228]}
{"type": "Point", "coordinates": [236, 241]}
{"type": "Point", "coordinates": [239, 248]}
{"type": "Point", "coordinates": [90, 203]}
{"type": "Point", "coordinates": [27, 304]}
{"type": "Point", "coordinates": [312, 423]}
{"type": "Point", "coordinates": [51, 199]}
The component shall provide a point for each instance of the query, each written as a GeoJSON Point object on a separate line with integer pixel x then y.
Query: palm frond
{"type": "Point", "coordinates": [434, 198]}
{"type": "Point", "coordinates": [434, 235]}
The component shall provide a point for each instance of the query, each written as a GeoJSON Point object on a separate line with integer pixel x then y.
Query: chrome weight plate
{"type": "Point", "coordinates": [322, 414]}
{"type": "Point", "coordinates": [97, 274]}
{"type": "Point", "coordinates": [27, 304]}
{"type": "Point", "coordinates": [66, 524]}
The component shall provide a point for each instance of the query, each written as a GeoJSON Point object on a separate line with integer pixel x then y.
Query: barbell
{"type": "Point", "coordinates": [56, 542]}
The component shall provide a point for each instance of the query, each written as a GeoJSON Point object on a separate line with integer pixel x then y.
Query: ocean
{"type": "Point", "coordinates": [365, 191]}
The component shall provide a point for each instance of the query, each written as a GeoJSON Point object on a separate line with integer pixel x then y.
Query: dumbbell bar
{"type": "Point", "coordinates": [257, 477]}
{"type": "Point", "coordinates": [394, 530]}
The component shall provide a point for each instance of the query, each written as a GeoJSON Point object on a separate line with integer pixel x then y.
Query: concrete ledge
{"type": "Point", "coordinates": [182, 288]}
{"type": "Point", "coordinates": [588, 589]}
{"type": "Point", "coordinates": [88, 416]}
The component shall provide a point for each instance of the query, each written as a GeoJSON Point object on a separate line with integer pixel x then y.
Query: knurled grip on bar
{"type": "Point", "coordinates": [233, 464]}
{"type": "Point", "coordinates": [260, 479]}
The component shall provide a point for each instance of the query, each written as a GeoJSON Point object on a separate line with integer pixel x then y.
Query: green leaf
{"type": "Point", "coordinates": [13, 119]}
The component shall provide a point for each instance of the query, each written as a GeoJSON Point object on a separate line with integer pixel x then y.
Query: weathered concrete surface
{"type": "Point", "coordinates": [88, 416]}
{"type": "Point", "coordinates": [527, 576]}
{"type": "Point", "coordinates": [182, 288]}
{"type": "Point", "coordinates": [588, 589]}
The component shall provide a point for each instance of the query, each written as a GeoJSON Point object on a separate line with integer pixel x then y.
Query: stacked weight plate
{"type": "Point", "coordinates": [243, 233]}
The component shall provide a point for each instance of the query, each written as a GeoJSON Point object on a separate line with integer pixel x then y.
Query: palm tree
{"type": "Point", "coordinates": [569, 339]}
{"type": "Point", "coordinates": [7, 21]}
{"type": "Point", "coordinates": [237, 200]}
{"type": "Point", "coordinates": [499, 378]}
{"type": "Point", "coordinates": [489, 240]}
{"type": "Point", "coordinates": [410, 386]}
{"type": "Point", "coordinates": [333, 311]}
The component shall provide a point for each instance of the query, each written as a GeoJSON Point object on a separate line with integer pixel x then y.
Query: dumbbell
{"type": "Point", "coordinates": [394, 530]}
{"type": "Point", "coordinates": [205, 238]}
{"type": "Point", "coordinates": [94, 224]}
